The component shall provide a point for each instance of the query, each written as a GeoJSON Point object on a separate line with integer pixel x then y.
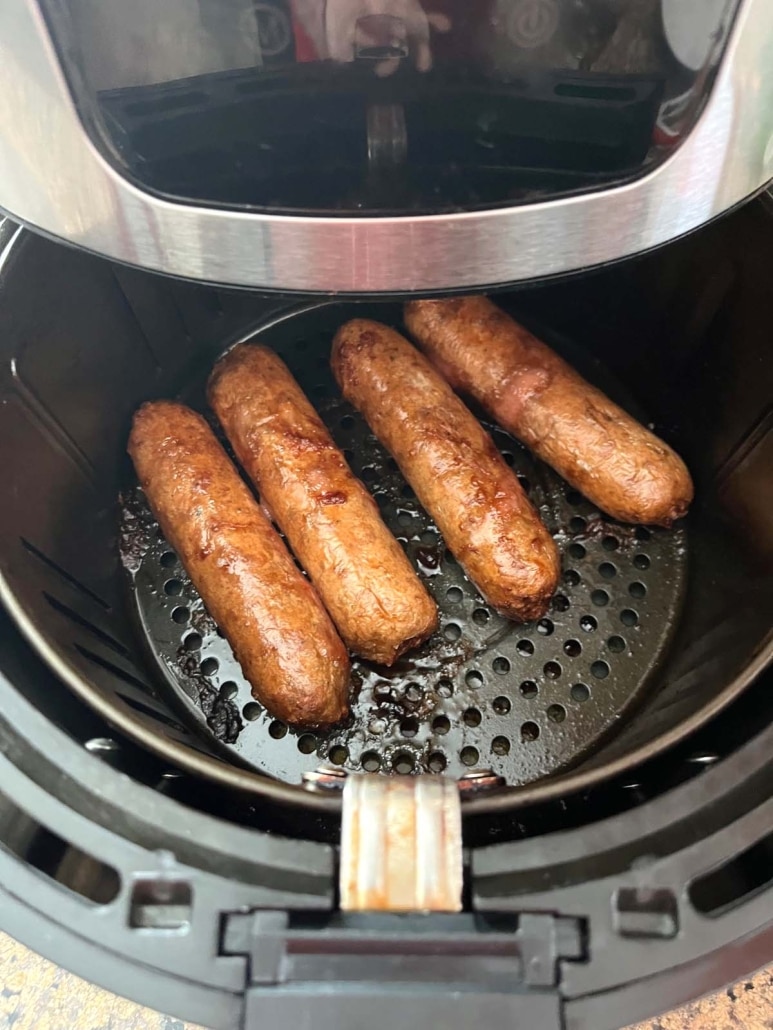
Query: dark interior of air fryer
{"type": "Point", "coordinates": [651, 631]}
{"type": "Point", "coordinates": [481, 146]}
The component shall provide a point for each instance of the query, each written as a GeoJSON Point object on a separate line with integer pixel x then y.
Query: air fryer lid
{"type": "Point", "coordinates": [424, 179]}
{"type": "Point", "coordinates": [410, 106]}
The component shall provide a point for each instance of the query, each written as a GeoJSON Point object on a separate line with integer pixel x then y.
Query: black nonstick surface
{"type": "Point", "coordinates": [484, 693]}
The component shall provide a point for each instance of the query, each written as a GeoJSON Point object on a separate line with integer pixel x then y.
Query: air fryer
{"type": "Point", "coordinates": [644, 687]}
{"type": "Point", "coordinates": [160, 832]}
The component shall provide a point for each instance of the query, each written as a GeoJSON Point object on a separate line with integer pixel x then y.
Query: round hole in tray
{"type": "Point", "coordinates": [371, 761]}
{"type": "Point", "coordinates": [413, 693]}
{"type": "Point", "coordinates": [192, 642]}
{"type": "Point", "coordinates": [469, 756]}
{"type": "Point", "coordinates": [404, 763]}
{"type": "Point", "coordinates": [307, 744]}
{"type": "Point", "coordinates": [471, 717]}
{"type": "Point", "coordinates": [556, 713]}
{"type": "Point", "coordinates": [436, 762]}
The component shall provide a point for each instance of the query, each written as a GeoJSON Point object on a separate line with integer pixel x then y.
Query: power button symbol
{"type": "Point", "coordinates": [532, 23]}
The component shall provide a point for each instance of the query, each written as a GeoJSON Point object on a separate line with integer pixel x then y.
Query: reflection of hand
{"type": "Point", "coordinates": [342, 16]}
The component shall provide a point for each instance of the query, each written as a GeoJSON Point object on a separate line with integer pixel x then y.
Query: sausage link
{"type": "Point", "coordinates": [452, 465]}
{"type": "Point", "coordinates": [375, 598]}
{"type": "Point", "coordinates": [281, 635]}
{"type": "Point", "coordinates": [595, 445]}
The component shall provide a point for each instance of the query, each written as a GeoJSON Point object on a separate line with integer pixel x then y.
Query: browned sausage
{"type": "Point", "coordinates": [595, 445]}
{"type": "Point", "coordinates": [281, 635]}
{"type": "Point", "coordinates": [332, 523]}
{"type": "Point", "coordinates": [453, 466]}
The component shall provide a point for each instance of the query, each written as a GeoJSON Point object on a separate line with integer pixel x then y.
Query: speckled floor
{"type": "Point", "coordinates": [37, 995]}
{"type": "Point", "coordinates": [747, 1005]}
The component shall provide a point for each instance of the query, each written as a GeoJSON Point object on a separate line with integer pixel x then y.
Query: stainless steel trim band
{"type": "Point", "coordinates": [52, 177]}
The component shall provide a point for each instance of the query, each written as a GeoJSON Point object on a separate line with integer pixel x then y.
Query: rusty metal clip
{"type": "Point", "coordinates": [401, 845]}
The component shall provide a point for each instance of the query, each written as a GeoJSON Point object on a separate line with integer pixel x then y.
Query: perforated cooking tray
{"type": "Point", "coordinates": [522, 700]}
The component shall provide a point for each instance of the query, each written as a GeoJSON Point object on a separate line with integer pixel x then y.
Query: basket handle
{"type": "Point", "coordinates": [401, 845]}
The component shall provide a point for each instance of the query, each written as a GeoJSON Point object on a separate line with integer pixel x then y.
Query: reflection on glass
{"type": "Point", "coordinates": [389, 105]}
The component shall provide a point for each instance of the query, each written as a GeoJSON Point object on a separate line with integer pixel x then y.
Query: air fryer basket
{"type": "Point", "coordinates": [521, 700]}
{"type": "Point", "coordinates": [88, 342]}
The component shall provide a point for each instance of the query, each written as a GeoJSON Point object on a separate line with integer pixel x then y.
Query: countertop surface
{"type": "Point", "coordinates": [37, 995]}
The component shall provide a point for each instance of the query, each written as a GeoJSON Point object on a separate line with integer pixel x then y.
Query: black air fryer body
{"type": "Point", "coordinates": [631, 881]}
{"type": "Point", "coordinates": [184, 176]}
